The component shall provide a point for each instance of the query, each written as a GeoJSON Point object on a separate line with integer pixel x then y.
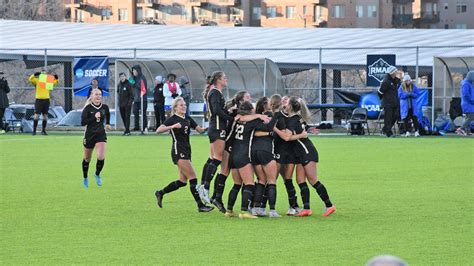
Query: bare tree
{"type": "Point", "coordinates": [46, 10]}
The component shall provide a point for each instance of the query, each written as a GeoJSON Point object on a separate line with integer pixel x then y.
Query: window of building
{"type": "Point", "coordinates": [371, 11]}
{"type": "Point", "coordinates": [338, 11]}
{"type": "Point", "coordinates": [305, 10]}
{"type": "Point", "coordinates": [461, 6]}
{"type": "Point", "coordinates": [216, 11]}
{"type": "Point", "coordinates": [184, 13]}
{"type": "Point", "coordinates": [106, 13]}
{"type": "Point", "coordinates": [317, 12]}
{"type": "Point", "coordinates": [445, 6]}
{"type": "Point", "coordinates": [290, 12]}
{"type": "Point", "coordinates": [139, 14]}
{"type": "Point", "coordinates": [271, 12]}
{"type": "Point", "coordinates": [123, 14]}
{"type": "Point", "coordinates": [461, 26]}
{"type": "Point", "coordinates": [256, 12]}
{"type": "Point", "coordinates": [359, 11]}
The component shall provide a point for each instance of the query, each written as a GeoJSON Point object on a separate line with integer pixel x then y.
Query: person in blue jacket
{"type": "Point", "coordinates": [467, 103]}
{"type": "Point", "coordinates": [408, 93]}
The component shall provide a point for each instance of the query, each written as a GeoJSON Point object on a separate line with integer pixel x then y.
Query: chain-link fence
{"type": "Point", "coordinates": [313, 74]}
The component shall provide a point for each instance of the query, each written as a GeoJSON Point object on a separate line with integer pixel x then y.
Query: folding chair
{"type": "Point", "coordinates": [19, 113]}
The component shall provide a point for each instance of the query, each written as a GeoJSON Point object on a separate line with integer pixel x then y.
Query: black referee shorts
{"type": "Point", "coordinates": [261, 157]}
{"type": "Point", "coordinates": [42, 106]}
{"type": "Point", "coordinates": [90, 141]}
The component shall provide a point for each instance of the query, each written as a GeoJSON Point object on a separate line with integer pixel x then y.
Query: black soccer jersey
{"type": "Point", "coordinates": [218, 115]}
{"type": "Point", "coordinates": [296, 125]}
{"type": "Point", "coordinates": [181, 135]}
{"type": "Point", "coordinates": [243, 137]}
{"type": "Point", "coordinates": [95, 126]}
{"type": "Point", "coordinates": [281, 146]}
{"type": "Point", "coordinates": [264, 143]}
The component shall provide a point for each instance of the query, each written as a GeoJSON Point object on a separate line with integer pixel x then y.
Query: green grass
{"type": "Point", "coordinates": [408, 197]}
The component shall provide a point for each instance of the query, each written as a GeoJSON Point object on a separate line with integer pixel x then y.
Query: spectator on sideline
{"type": "Point", "coordinates": [408, 93]}
{"type": "Point", "coordinates": [94, 85]}
{"type": "Point", "coordinates": [185, 92]}
{"type": "Point", "coordinates": [171, 90]}
{"type": "Point", "coordinates": [4, 89]}
{"type": "Point", "coordinates": [138, 77]}
{"type": "Point", "coordinates": [467, 103]}
{"type": "Point", "coordinates": [125, 96]}
{"type": "Point", "coordinates": [159, 102]}
{"type": "Point", "coordinates": [41, 102]}
{"type": "Point", "coordinates": [388, 92]}
{"type": "Point", "coordinates": [386, 260]}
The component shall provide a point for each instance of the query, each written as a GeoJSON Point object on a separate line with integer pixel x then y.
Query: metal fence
{"type": "Point", "coordinates": [314, 78]}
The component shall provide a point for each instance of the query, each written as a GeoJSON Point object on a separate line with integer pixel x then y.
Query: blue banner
{"type": "Point", "coordinates": [88, 68]}
{"type": "Point", "coordinates": [377, 66]}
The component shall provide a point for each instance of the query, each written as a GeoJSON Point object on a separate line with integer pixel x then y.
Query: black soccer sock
{"type": "Point", "coordinates": [204, 170]}
{"type": "Point", "coordinates": [99, 166]}
{"type": "Point", "coordinates": [85, 168]}
{"type": "Point", "coordinates": [192, 187]}
{"type": "Point", "coordinates": [304, 190]}
{"type": "Point", "coordinates": [35, 125]}
{"type": "Point", "coordinates": [263, 204]}
{"type": "Point", "coordinates": [247, 197]}
{"type": "Point", "coordinates": [175, 185]}
{"type": "Point", "coordinates": [323, 193]}
{"type": "Point", "coordinates": [290, 189]}
{"type": "Point", "coordinates": [234, 192]}
{"type": "Point", "coordinates": [272, 193]}
{"type": "Point", "coordinates": [257, 199]}
{"type": "Point", "coordinates": [211, 171]}
{"type": "Point", "coordinates": [45, 122]}
{"type": "Point", "coordinates": [219, 185]}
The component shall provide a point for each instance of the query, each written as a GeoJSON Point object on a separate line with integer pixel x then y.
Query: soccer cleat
{"type": "Point", "coordinates": [200, 189]}
{"type": "Point", "coordinates": [417, 134]}
{"type": "Point", "coordinates": [247, 215]}
{"type": "Point", "coordinates": [254, 211]}
{"type": "Point", "coordinates": [291, 212]}
{"type": "Point", "coordinates": [261, 212]}
{"type": "Point", "coordinates": [329, 210]}
{"type": "Point", "coordinates": [230, 213]}
{"type": "Point", "coordinates": [461, 132]}
{"type": "Point", "coordinates": [305, 212]}
{"type": "Point", "coordinates": [273, 214]}
{"type": "Point", "coordinates": [407, 134]}
{"type": "Point", "coordinates": [98, 180]}
{"type": "Point", "coordinates": [85, 183]}
{"type": "Point", "coordinates": [44, 133]}
{"type": "Point", "coordinates": [219, 205]}
{"type": "Point", "coordinates": [205, 208]}
{"type": "Point", "coordinates": [159, 198]}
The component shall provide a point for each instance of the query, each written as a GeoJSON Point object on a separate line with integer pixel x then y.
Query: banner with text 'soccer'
{"type": "Point", "coordinates": [377, 65]}
{"type": "Point", "coordinates": [88, 68]}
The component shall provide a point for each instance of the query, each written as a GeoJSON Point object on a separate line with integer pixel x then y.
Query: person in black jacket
{"type": "Point", "coordinates": [125, 96]}
{"type": "Point", "coordinates": [159, 102]}
{"type": "Point", "coordinates": [138, 77]}
{"type": "Point", "coordinates": [4, 89]}
{"type": "Point", "coordinates": [390, 102]}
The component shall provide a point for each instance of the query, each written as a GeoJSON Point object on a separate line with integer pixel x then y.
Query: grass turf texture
{"type": "Point", "coordinates": [408, 197]}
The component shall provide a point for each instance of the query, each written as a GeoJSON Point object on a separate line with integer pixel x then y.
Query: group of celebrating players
{"type": "Point", "coordinates": [266, 140]}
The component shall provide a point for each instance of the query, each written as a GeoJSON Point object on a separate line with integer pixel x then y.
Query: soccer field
{"type": "Point", "coordinates": [412, 198]}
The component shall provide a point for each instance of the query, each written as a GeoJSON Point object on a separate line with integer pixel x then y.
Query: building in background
{"type": "Point", "coordinates": [441, 14]}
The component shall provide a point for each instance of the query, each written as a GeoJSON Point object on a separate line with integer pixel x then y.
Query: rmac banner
{"type": "Point", "coordinates": [377, 65]}
{"type": "Point", "coordinates": [86, 69]}
{"type": "Point", "coordinates": [371, 101]}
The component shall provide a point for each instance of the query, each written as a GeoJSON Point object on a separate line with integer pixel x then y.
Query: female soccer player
{"type": "Point", "coordinates": [93, 116]}
{"type": "Point", "coordinates": [241, 153]}
{"type": "Point", "coordinates": [307, 158]}
{"type": "Point", "coordinates": [285, 158]}
{"type": "Point", "coordinates": [217, 129]}
{"type": "Point", "coordinates": [180, 126]}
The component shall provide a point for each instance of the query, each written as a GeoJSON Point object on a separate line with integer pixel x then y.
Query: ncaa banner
{"type": "Point", "coordinates": [88, 68]}
{"type": "Point", "coordinates": [377, 66]}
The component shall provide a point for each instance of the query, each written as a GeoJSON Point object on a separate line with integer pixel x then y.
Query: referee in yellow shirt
{"type": "Point", "coordinates": [41, 102]}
